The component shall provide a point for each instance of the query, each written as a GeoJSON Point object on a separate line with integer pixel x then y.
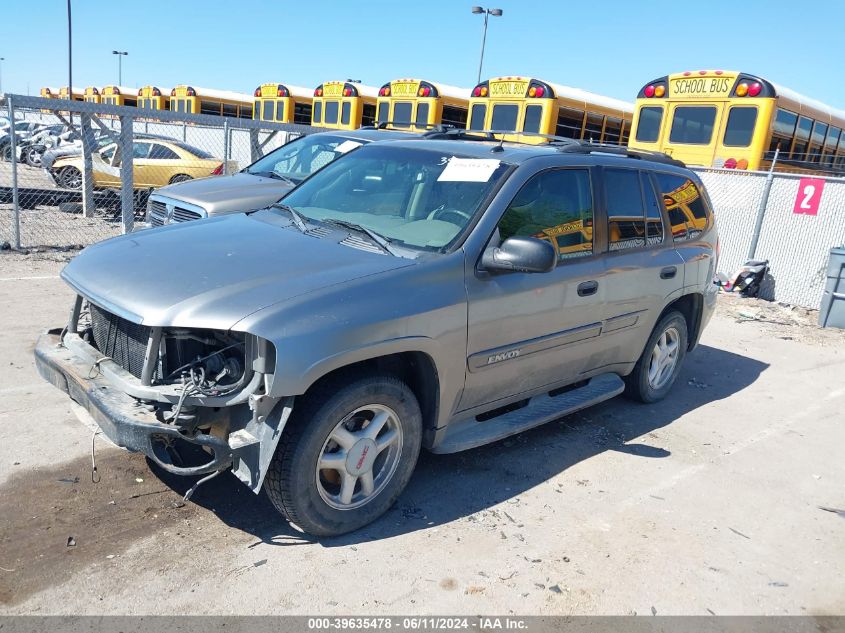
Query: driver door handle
{"type": "Point", "coordinates": [587, 288]}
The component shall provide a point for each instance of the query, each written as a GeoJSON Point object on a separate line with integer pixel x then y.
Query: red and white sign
{"type": "Point", "coordinates": [809, 196]}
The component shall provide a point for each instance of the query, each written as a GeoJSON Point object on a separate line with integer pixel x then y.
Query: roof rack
{"type": "Point", "coordinates": [586, 147]}
{"type": "Point", "coordinates": [431, 127]}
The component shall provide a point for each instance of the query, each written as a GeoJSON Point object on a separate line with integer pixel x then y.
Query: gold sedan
{"type": "Point", "coordinates": [156, 162]}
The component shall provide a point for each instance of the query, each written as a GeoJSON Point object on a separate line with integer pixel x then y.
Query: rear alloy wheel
{"type": "Point", "coordinates": [70, 178]}
{"type": "Point", "coordinates": [346, 455]}
{"type": "Point", "coordinates": [32, 157]}
{"type": "Point", "coordinates": [180, 178]}
{"type": "Point", "coordinates": [658, 367]}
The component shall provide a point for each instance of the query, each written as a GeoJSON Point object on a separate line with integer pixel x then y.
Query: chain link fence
{"type": "Point", "coordinates": [74, 173]}
{"type": "Point", "coordinates": [759, 220]}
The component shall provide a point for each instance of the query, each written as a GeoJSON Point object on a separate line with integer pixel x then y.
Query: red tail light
{"type": "Point", "coordinates": [140, 92]}
{"type": "Point", "coordinates": [477, 91]}
{"type": "Point", "coordinates": [257, 92]}
{"type": "Point", "coordinates": [754, 89]}
{"type": "Point", "coordinates": [218, 171]}
{"type": "Point", "coordinates": [649, 91]}
{"type": "Point", "coordinates": [730, 163]}
{"type": "Point", "coordinates": [156, 92]}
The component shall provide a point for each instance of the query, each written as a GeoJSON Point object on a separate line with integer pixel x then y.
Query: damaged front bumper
{"type": "Point", "coordinates": [132, 423]}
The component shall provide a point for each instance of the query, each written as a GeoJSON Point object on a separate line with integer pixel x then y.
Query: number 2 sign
{"type": "Point", "coordinates": [809, 196]}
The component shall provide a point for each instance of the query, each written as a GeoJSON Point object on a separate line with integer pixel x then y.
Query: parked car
{"type": "Point", "coordinates": [410, 294]}
{"type": "Point", "coordinates": [74, 147]}
{"type": "Point", "coordinates": [155, 163]}
{"type": "Point", "coordinates": [30, 149]}
{"type": "Point", "coordinates": [260, 184]}
{"type": "Point", "coordinates": [23, 130]}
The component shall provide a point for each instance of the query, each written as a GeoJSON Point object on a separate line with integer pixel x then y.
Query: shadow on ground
{"type": "Point", "coordinates": [478, 479]}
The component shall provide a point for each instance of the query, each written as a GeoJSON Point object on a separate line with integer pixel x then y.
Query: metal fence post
{"type": "Point", "coordinates": [16, 207]}
{"type": "Point", "coordinates": [225, 147]}
{"type": "Point", "coordinates": [127, 191]}
{"type": "Point", "coordinates": [761, 209]}
{"type": "Point", "coordinates": [87, 135]}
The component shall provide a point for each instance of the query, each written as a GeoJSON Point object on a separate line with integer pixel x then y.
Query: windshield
{"type": "Point", "coordinates": [418, 198]}
{"type": "Point", "coordinates": [300, 158]}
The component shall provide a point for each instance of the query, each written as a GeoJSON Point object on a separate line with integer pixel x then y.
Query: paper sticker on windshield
{"type": "Point", "coordinates": [469, 169]}
{"type": "Point", "coordinates": [347, 146]}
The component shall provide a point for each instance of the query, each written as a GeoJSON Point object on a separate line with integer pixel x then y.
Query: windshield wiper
{"type": "Point", "coordinates": [379, 239]}
{"type": "Point", "coordinates": [294, 214]}
{"type": "Point", "coordinates": [276, 175]}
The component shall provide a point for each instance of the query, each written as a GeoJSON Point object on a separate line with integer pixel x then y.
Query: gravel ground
{"type": "Point", "coordinates": [725, 498]}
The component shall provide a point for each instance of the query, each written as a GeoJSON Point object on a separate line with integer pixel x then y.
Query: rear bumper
{"type": "Point", "coordinates": [123, 419]}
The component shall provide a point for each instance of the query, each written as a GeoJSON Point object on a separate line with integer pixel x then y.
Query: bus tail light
{"type": "Point", "coordinates": [730, 163]}
{"type": "Point", "coordinates": [425, 91]}
{"type": "Point", "coordinates": [384, 92]}
{"type": "Point", "coordinates": [281, 91]}
{"type": "Point", "coordinates": [660, 90]}
{"type": "Point", "coordinates": [649, 91]}
{"type": "Point", "coordinates": [346, 92]}
{"type": "Point", "coordinates": [156, 92]}
{"type": "Point", "coordinates": [191, 92]}
{"type": "Point", "coordinates": [318, 92]}
{"type": "Point", "coordinates": [481, 90]}
{"type": "Point", "coordinates": [742, 90]}
{"type": "Point", "coordinates": [140, 92]}
{"type": "Point", "coordinates": [218, 171]}
{"type": "Point", "coordinates": [173, 92]}
{"type": "Point", "coordinates": [754, 89]}
{"type": "Point", "coordinates": [742, 163]}
{"type": "Point", "coordinates": [257, 92]}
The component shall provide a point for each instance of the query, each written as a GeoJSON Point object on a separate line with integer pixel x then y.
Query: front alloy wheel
{"type": "Point", "coordinates": [346, 454]}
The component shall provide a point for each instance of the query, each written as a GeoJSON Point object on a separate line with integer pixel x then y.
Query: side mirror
{"type": "Point", "coordinates": [520, 254]}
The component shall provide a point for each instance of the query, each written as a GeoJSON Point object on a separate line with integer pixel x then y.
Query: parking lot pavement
{"type": "Point", "coordinates": [726, 498]}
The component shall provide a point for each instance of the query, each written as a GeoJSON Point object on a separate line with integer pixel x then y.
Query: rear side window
{"type": "Point", "coordinates": [280, 110]}
{"type": "Point", "coordinates": [476, 121]}
{"type": "Point", "coordinates": [345, 111]}
{"type": "Point", "coordinates": [693, 125]}
{"type": "Point", "coordinates": [648, 125]}
{"type": "Point", "coordinates": [556, 206]}
{"type": "Point", "coordinates": [422, 115]}
{"type": "Point", "coordinates": [383, 109]}
{"type": "Point", "coordinates": [740, 127]}
{"type": "Point", "coordinates": [687, 211]}
{"type": "Point", "coordinates": [318, 112]}
{"type": "Point", "coordinates": [504, 117]}
{"type": "Point", "coordinates": [625, 211]}
{"type": "Point", "coordinates": [160, 152]}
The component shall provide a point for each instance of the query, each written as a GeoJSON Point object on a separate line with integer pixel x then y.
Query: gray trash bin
{"type": "Point", "coordinates": [832, 310]}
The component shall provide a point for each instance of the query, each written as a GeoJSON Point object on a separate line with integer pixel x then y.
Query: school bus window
{"type": "Point", "coordinates": [402, 113]}
{"type": "Point", "coordinates": [476, 120]}
{"type": "Point", "coordinates": [533, 114]}
{"type": "Point", "coordinates": [740, 127]}
{"type": "Point", "coordinates": [569, 123]}
{"type": "Point", "coordinates": [345, 112]}
{"type": "Point", "coordinates": [267, 110]}
{"type": "Point", "coordinates": [693, 125]}
{"type": "Point", "coordinates": [817, 141]}
{"type": "Point", "coordinates": [301, 113]}
{"type": "Point", "coordinates": [422, 115]}
{"type": "Point", "coordinates": [232, 110]}
{"type": "Point", "coordinates": [318, 112]}
{"type": "Point", "coordinates": [331, 112]}
{"type": "Point", "coordinates": [592, 129]}
{"type": "Point", "coordinates": [830, 145]}
{"type": "Point", "coordinates": [368, 114]}
{"type": "Point", "coordinates": [280, 110]}
{"type": "Point", "coordinates": [783, 130]}
{"type": "Point", "coordinates": [454, 116]}
{"type": "Point", "coordinates": [383, 109]}
{"type": "Point", "coordinates": [504, 117]}
{"type": "Point", "coordinates": [653, 217]}
{"type": "Point", "coordinates": [625, 213]}
{"type": "Point", "coordinates": [612, 129]}
{"type": "Point", "coordinates": [802, 136]}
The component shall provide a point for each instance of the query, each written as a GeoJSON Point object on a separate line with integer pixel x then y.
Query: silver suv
{"type": "Point", "coordinates": [439, 293]}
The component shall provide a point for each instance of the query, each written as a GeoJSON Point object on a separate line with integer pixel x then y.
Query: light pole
{"type": "Point", "coordinates": [487, 13]}
{"type": "Point", "coordinates": [120, 55]}
{"type": "Point", "coordinates": [2, 59]}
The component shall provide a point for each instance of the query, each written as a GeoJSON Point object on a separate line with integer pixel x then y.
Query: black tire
{"type": "Point", "coordinates": [180, 178]}
{"type": "Point", "coordinates": [70, 178]}
{"type": "Point", "coordinates": [638, 386]}
{"type": "Point", "coordinates": [294, 484]}
{"type": "Point", "coordinates": [6, 152]}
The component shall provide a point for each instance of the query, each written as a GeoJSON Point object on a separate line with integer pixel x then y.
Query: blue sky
{"type": "Point", "coordinates": [612, 47]}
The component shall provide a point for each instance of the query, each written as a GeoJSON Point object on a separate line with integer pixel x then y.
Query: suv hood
{"type": "Point", "coordinates": [226, 194]}
{"type": "Point", "coordinates": [213, 273]}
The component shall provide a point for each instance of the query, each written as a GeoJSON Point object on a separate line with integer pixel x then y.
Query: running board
{"type": "Point", "coordinates": [463, 434]}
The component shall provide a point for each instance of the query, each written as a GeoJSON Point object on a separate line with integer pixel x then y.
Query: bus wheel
{"type": "Point", "coordinates": [180, 178]}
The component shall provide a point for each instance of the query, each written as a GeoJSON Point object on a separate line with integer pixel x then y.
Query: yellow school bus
{"type": "Point", "coordinates": [524, 104]}
{"type": "Point", "coordinates": [76, 95]}
{"type": "Point", "coordinates": [571, 237]}
{"type": "Point", "coordinates": [686, 211]}
{"type": "Point", "coordinates": [344, 105]}
{"type": "Point", "coordinates": [49, 93]}
{"type": "Point", "coordinates": [209, 101]}
{"type": "Point", "coordinates": [418, 104]}
{"type": "Point", "coordinates": [154, 98]}
{"type": "Point", "coordinates": [92, 94]}
{"type": "Point", "coordinates": [734, 120]}
{"type": "Point", "coordinates": [119, 96]}
{"type": "Point", "coordinates": [283, 103]}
